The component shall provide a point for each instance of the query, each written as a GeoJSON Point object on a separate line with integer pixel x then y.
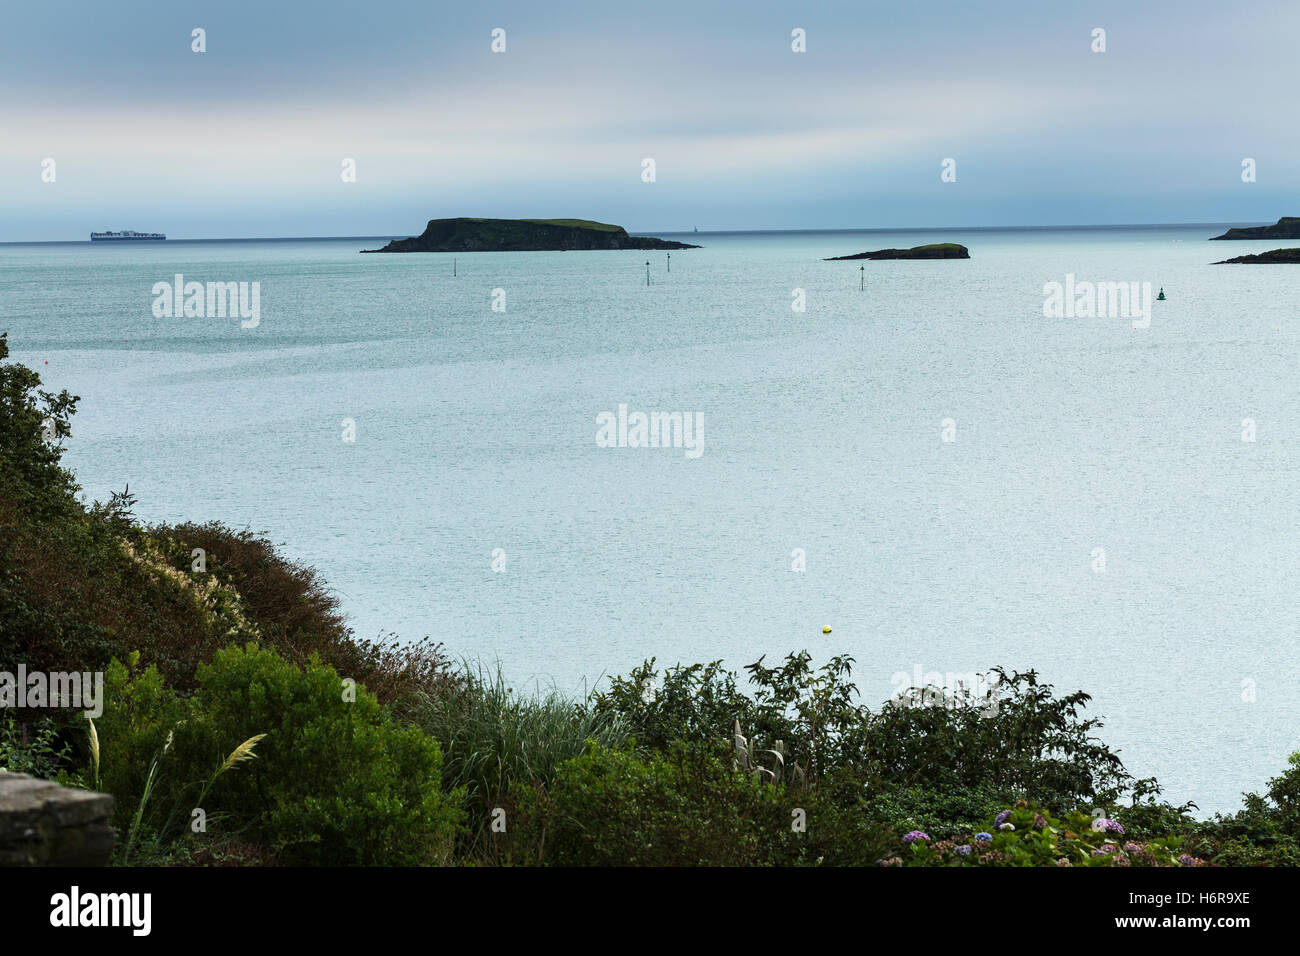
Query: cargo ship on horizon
{"type": "Point", "coordinates": [126, 234]}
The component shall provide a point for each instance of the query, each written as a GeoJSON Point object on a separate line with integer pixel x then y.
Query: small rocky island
{"type": "Point", "coordinates": [938, 250]}
{"type": "Point", "coordinates": [1274, 256]}
{"type": "Point", "coordinates": [524, 235]}
{"type": "Point", "coordinates": [1288, 227]}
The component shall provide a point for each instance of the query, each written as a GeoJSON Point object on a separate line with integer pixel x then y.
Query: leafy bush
{"type": "Point", "coordinates": [1265, 832]}
{"type": "Point", "coordinates": [495, 740]}
{"type": "Point", "coordinates": [686, 806]}
{"type": "Point", "coordinates": [1024, 741]}
{"type": "Point", "coordinates": [940, 811]}
{"type": "Point", "coordinates": [36, 749]}
{"type": "Point", "coordinates": [33, 424]}
{"type": "Point", "coordinates": [335, 781]}
{"type": "Point", "coordinates": [1029, 836]}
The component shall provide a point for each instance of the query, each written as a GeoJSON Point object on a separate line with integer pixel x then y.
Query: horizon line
{"type": "Point", "coordinates": [704, 232]}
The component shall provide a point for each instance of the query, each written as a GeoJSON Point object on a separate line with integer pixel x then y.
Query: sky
{"type": "Point", "coordinates": [249, 138]}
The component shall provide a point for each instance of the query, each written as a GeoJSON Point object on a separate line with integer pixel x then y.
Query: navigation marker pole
{"type": "Point", "coordinates": [670, 265]}
{"type": "Point", "coordinates": [647, 272]}
{"type": "Point", "coordinates": [453, 266]}
{"type": "Point", "coordinates": [862, 278]}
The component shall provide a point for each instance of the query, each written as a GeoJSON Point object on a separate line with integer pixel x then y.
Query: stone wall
{"type": "Point", "coordinates": [45, 824]}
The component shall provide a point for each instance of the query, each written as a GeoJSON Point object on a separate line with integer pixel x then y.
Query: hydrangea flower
{"type": "Point", "coordinates": [1188, 860]}
{"type": "Point", "coordinates": [916, 835]}
{"type": "Point", "coordinates": [984, 837]}
{"type": "Point", "coordinates": [1103, 825]}
{"type": "Point", "coordinates": [1001, 818]}
{"type": "Point", "coordinates": [1007, 826]}
{"type": "Point", "coordinates": [964, 849]}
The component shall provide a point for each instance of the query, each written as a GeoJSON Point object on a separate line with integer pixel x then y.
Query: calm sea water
{"type": "Point", "coordinates": [476, 430]}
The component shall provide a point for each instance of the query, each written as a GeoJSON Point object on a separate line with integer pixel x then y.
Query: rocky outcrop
{"type": "Point", "coordinates": [1275, 256]}
{"type": "Point", "coordinates": [524, 235]}
{"type": "Point", "coordinates": [1288, 227]}
{"type": "Point", "coordinates": [45, 824]}
{"type": "Point", "coordinates": [938, 250]}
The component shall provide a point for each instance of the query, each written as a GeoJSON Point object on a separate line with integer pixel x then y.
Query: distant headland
{"type": "Point", "coordinates": [524, 235]}
{"type": "Point", "coordinates": [1288, 227]}
{"type": "Point", "coordinates": [1273, 256]}
{"type": "Point", "coordinates": [937, 250]}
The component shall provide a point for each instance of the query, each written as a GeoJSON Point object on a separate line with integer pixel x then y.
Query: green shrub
{"type": "Point", "coordinates": [1023, 741]}
{"type": "Point", "coordinates": [940, 811]}
{"type": "Point", "coordinates": [35, 748]}
{"type": "Point", "coordinates": [687, 806]}
{"type": "Point", "coordinates": [1026, 835]}
{"type": "Point", "coordinates": [698, 702]}
{"type": "Point", "coordinates": [335, 781]}
{"type": "Point", "coordinates": [1265, 832]}
{"type": "Point", "coordinates": [33, 424]}
{"type": "Point", "coordinates": [495, 740]}
{"type": "Point", "coordinates": [140, 710]}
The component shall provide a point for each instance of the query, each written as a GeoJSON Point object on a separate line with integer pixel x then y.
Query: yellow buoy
{"type": "Point", "coordinates": [826, 630]}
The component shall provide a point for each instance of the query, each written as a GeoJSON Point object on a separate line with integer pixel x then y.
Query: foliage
{"type": "Point", "coordinates": [687, 806]}
{"type": "Point", "coordinates": [336, 780]}
{"type": "Point", "coordinates": [494, 740]}
{"type": "Point", "coordinates": [36, 748]}
{"type": "Point", "coordinates": [1023, 741]}
{"type": "Point", "coordinates": [33, 425]}
{"type": "Point", "coordinates": [1265, 832]}
{"type": "Point", "coordinates": [942, 811]}
{"type": "Point", "coordinates": [1027, 835]}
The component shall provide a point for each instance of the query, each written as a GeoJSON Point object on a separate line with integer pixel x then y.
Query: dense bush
{"type": "Point", "coordinates": [942, 811]}
{"type": "Point", "coordinates": [36, 748]}
{"type": "Point", "coordinates": [1029, 836]}
{"type": "Point", "coordinates": [686, 806]}
{"type": "Point", "coordinates": [33, 425]}
{"type": "Point", "coordinates": [1265, 832]}
{"type": "Point", "coordinates": [334, 779]}
{"type": "Point", "coordinates": [1025, 741]}
{"type": "Point", "coordinates": [495, 740]}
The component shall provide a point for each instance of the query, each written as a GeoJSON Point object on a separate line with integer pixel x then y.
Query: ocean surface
{"type": "Point", "coordinates": [476, 430]}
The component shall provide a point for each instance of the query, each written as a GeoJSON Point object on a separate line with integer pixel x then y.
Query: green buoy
{"type": "Point", "coordinates": [1161, 296]}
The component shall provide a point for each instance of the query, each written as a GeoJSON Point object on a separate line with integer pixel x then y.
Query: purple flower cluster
{"type": "Point", "coordinates": [916, 835]}
{"type": "Point", "coordinates": [1001, 819]}
{"type": "Point", "coordinates": [964, 849]}
{"type": "Point", "coordinates": [984, 837]}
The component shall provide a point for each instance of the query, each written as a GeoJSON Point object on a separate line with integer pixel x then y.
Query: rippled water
{"type": "Point", "coordinates": [476, 430]}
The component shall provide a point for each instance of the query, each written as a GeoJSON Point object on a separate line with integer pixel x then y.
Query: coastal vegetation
{"type": "Point", "coordinates": [1288, 227]}
{"type": "Point", "coordinates": [243, 723]}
